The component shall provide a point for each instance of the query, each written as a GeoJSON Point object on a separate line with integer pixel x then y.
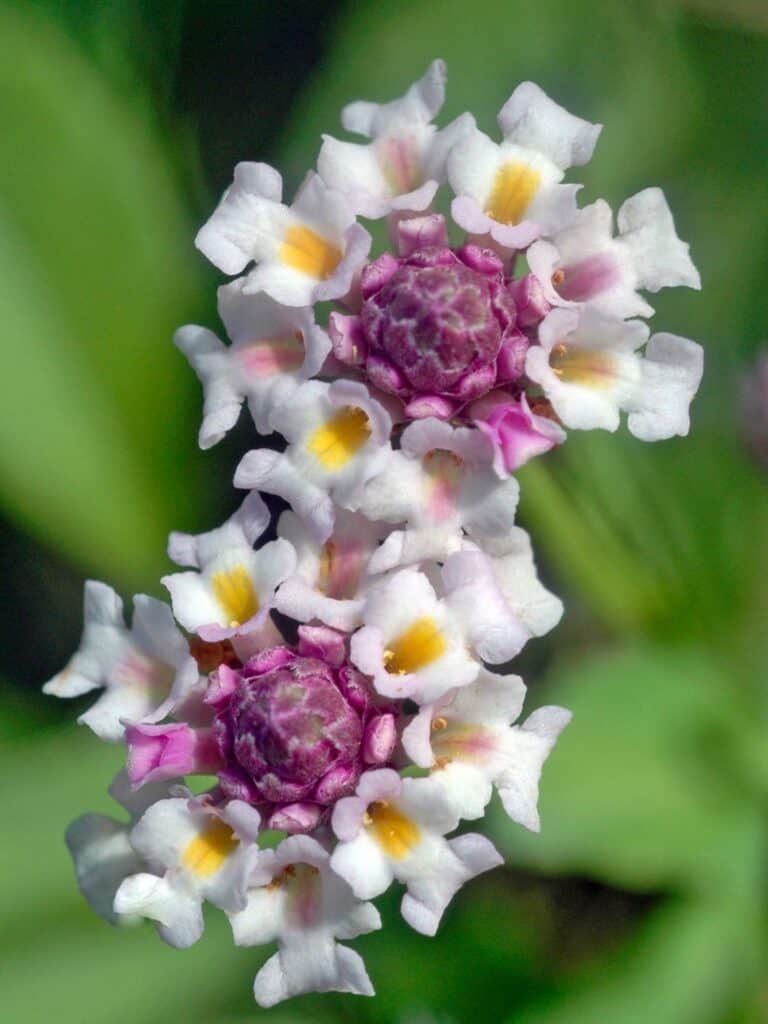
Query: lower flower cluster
{"type": "Point", "coordinates": [316, 715]}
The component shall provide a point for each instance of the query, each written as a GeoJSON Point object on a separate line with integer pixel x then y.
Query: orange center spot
{"type": "Point", "coordinates": [420, 645]}
{"type": "Point", "coordinates": [338, 440]}
{"type": "Point", "coordinates": [208, 852]}
{"type": "Point", "coordinates": [233, 589]}
{"type": "Point", "coordinates": [308, 252]}
{"type": "Point", "coordinates": [393, 830]}
{"type": "Point", "coordinates": [514, 188]}
{"type": "Point", "coordinates": [576, 365]}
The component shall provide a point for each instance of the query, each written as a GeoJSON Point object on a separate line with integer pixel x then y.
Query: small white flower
{"type": "Point", "coordinates": [331, 578]}
{"type": "Point", "coordinates": [468, 740]}
{"type": "Point", "coordinates": [101, 850]}
{"type": "Point", "coordinates": [405, 162]}
{"type": "Point", "coordinates": [589, 369]}
{"type": "Point", "coordinates": [309, 252]}
{"type": "Point", "coordinates": [233, 591]}
{"type": "Point", "coordinates": [411, 644]}
{"type": "Point", "coordinates": [195, 855]}
{"type": "Point", "coordinates": [146, 671]}
{"type": "Point", "coordinates": [440, 483]}
{"type": "Point", "coordinates": [305, 907]}
{"type": "Point", "coordinates": [338, 439]}
{"type": "Point", "coordinates": [273, 349]}
{"type": "Point", "coordinates": [393, 828]}
{"type": "Point", "coordinates": [511, 192]}
{"type": "Point", "coordinates": [584, 263]}
{"type": "Point", "coordinates": [417, 645]}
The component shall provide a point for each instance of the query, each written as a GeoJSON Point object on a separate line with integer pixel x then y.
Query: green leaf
{"type": "Point", "coordinates": [652, 778]}
{"type": "Point", "coordinates": [96, 270]}
{"type": "Point", "coordinates": [690, 963]}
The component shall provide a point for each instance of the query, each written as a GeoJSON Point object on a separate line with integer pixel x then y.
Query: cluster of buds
{"type": "Point", "coordinates": [363, 723]}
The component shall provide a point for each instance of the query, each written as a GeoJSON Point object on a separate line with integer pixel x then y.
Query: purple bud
{"type": "Point", "coordinates": [438, 326]}
{"type": "Point", "coordinates": [160, 752]}
{"type": "Point", "coordinates": [300, 817]}
{"type": "Point", "coordinates": [299, 728]}
{"type": "Point", "coordinates": [379, 739]}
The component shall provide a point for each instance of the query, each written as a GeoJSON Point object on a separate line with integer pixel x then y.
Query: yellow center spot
{"type": "Point", "coordinates": [311, 254]}
{"type": "Point", "coordinates": [339, 439]}
{"type": "Point", "coordinates": [574, 365]}
{"type": "Point", "coordinates": [513, 190]}
{"type": "Point", "coordinates": [234, 590]}
{"type": "Point", "coordinates": [393, 830]}
{"type": "Point", "coordinates": [206, 854]}
{"type": "Point", "coordinates": [420, 645]}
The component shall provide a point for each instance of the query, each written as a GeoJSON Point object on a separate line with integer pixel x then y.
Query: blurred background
{"type": "Point", "coordinates": [644, 898]}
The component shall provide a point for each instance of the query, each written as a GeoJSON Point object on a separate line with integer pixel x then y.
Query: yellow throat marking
{"type": "Point", "coordinates": [311, 254]}
{"type": "Point", "coordinates": [575, 365]}
{"type": "Point", "coordinates": [207, 853]}
{"type": "Point", "coordinates": [513, 190]}
{"type": "Point", "coordinates": [420, 645]}
{"type": "Point", "coordinates": [233, 589]}
{"type": "Point", "coordinates": [393, 830]}
{"type": "Point", "coordinates": [339, 439]}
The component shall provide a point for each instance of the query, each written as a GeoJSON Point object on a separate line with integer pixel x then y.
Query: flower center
{"type": "Point", "coordinates": [285, 729]}
{"type": "Point", "coordinates": [434, 322]}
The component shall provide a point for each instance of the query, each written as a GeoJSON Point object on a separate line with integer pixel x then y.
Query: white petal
{"type": "Point", "coordinates": [178, 914]}
{"type": "Point", "coordinates": [361, 863]}
{"type": "Point", "coordinates": [473, 595]}
{"type": "Point", "coordinates": [672, 371]}
{"type": "Point", "coordinates": [661, 259]}
{"type": "Point", "coordinates": [312, 963]}
{"type": "Point", "coordinates": [231, 237]}
{"type": "Point", "coordinates": [451, 864]}
{"type": "Point", "coordinates": [222, 397]}
{"type": "Point", "coordinates": [103, 858]}
{"type": "Point", "coordinates": [530, 118]}
{"type": "Point", "coordinates": [526, 750]}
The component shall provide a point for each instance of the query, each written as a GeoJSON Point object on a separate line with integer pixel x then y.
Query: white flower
{"type": "Point", "coordinates": [584, 263]}
{"type": "Point", "coordinates": [404, 164]}
{"type": "Point", "coordinates": [331, 578]}
{"type": "Point", "coordinates": [339, 438]}
{"type": "Point", "coordinates": [393, 828]}
{"type": "Point", "coordinates": [511, 192]}
{"type": "Point", "coordinates": [468, 740]}
{"type": "Point", "coordinates": [416, 645]}
{"type": "Point", "coordinates": [195, 855]}
{"type": "Point", "coordinates": [439, 484]}
{"type": "Point", "coordinates": [305, 907]}
{"type": "Point", "coordinates": [273, 349]}
{"type": "Point", "coordinates": [233, 592]}
{"type": "Point", "coordinates": [589, 369]}
{"type": "Point", "coordinates": [101, 850]}
{"type": "Point", "coordinates": [146, 671]}
{"type": "Point", "coordinates": [510, 558]}
{"type": "Point", "coordinates": [411, 644]}
{"type": "Point", "coordinates": [309, 252]}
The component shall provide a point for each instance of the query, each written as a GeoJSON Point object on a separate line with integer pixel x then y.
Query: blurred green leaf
{"type": "Point", "coordinates": [659, 769]}
{"type": "Point", "coordinates": [689, 964]}
{"type": "Point", "coordinates": [96, 271]}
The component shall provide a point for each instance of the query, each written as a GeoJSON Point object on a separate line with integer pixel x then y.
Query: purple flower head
{"type": "Point", "coordinates": [437, 328]}
{"type": "Point", "coordinates": [298, 729]}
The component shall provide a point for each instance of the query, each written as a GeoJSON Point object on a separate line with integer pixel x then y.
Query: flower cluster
{"type": "Point", "coordinates": [332, 684]}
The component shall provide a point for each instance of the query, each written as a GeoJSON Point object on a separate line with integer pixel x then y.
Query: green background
{"type": "Point", "coordinates": [644, 898]}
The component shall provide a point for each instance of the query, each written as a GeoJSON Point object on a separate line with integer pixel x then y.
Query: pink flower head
{"type": "Point", "coordinates": [298, 728]}
{"type": "Point", "coordinates": [437, 327]}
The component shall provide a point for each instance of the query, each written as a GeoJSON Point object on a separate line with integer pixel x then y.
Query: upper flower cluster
{"type": "Point", "coordinates": [363, 720]}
